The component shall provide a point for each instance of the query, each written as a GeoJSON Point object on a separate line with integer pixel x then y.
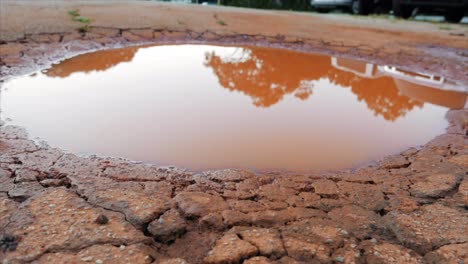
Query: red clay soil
{"type": "Point", "coordinates": [57, 207]}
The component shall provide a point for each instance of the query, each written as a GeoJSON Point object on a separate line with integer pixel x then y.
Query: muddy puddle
{"type": "Point", "coordinates": [206, 107]}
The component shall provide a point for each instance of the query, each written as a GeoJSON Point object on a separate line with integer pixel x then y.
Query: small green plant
{"type": "Point", "coordinates": [219, 21]}
{"type": "Point", "coordinates": [445, 27]}
{"type": "Point", "coordinates": [83, 20]}
{"type": "Point", "coordinates": [86, 22]}
{"type": "Point", "coordinates": [74, 13]}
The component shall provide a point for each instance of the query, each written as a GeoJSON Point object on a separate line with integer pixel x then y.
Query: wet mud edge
{"type": "Point", "coordinates": [39, 51]}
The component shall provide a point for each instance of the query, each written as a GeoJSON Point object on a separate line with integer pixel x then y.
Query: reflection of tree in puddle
{"type": "Point", "coordinates": [381, 94]}
{"type": "Point", "coordinates": [95, 61]}
{"type": "Point", "coordinates": [267, 75]}
{"type": "Point", "coordinates": [263, 75]}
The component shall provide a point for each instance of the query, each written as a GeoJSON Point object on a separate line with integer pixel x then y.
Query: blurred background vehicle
{"type": "Point", "coordinates": [357, 7]}
{"type": "Point", "coordinates": [423, 10]}
{"type": "Point", "coordinates": [452, 10]}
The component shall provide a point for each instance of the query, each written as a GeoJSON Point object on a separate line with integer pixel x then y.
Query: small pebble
{"type": "Point", "coordinates": [87, 259]}
{"type": "Point", "coordinates": [102, 219]}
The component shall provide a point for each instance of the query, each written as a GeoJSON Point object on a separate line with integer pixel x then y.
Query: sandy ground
{"type": "Point", "coordinates": [56, 207]}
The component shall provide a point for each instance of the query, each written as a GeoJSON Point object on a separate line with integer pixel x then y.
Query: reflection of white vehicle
{"type": "Point", "coordinates": [418, 86]}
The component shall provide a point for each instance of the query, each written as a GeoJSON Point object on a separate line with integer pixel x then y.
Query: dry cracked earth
{"type": "Point", "coordinates": [57, 207]}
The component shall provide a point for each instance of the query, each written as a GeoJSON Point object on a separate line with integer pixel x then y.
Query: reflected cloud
{"type": "Point", "coordinates": [267, 75]}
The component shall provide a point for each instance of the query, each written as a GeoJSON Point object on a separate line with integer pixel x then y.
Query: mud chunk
{"type": "Point", "coordinates": [402, 203]}
{"type": "Point", "coordinates": [144, 33]}
{"type": "Point", "coordinates": [7, 208]}
{"type": "Point", "coordinates": [45, 38]}
{"type": "Point", "coordinates": [130, 198]}
{"type": "Point", "coordinates": [458, 118]}
{"type": "Point", "coordinates": [409, 152]}
{"type": "Point", "coordinates": [394, 162]}
{"type": "Point", "coordinates": [60, 214]}
{"type": "Point", "coordinates": [288, 260]}
{"type": "Point", "coordinates": [168, 227]}
{"type": "Point", "coordinates": [25, 175]}
{"type": "Point", "coordinates": [246, 206]}
{"type": "Point", "coordinates": [131, 37]}
{"type": "Point", "coordinates": [435, 186]}
{"type": "Point", "coordinates": [326, 188]}
{"type": "Point", "coordinates": [461, 160]}
{"type": "Point", "coordinates": [272, 218]}
{"type": "Point", "coordinates": [268, 241]}
{"type": "Point", "coordinates": [368, 196]}
{"type": "Point", "coordinates": [105, 32]}
{"type": "Point", "coordinates": [4, 173]}
{"type": "Point", "coordinates": [391, 183]}
{"type": "Point", "coordinates": [107, 253]}
{"type": "Point", "coordinates": [355, 219]}
{"type": "Point", "coordinates": [318, 231]}
{"type": "Point", "coordinates": [348, 254]}
{"type": "Point", "coordinates": [462, 194]}
{"type": "Point", "coordinates": [305, 251]}
{"type": "Point", "coordinates": [229, 175]}
{"type": "Point", "coordinates": [233, 218]}
{"type": "Point", "coordinates": [212, 221]}
{"type": "Point", "coordinates": [326, 205]}
{"type": "Point", "coordinates": [433, 226]}
{"type": "Point", "coordinates": [179, 35]}
{"type": "Point", "coordinates": [197, 204]}
{"type": "Point", "coordinates": [391, 253]}
{"type": "Point", "coordinates": [230, 249]}
{"type": "Point", "coordinates": [274, 192]}
{"type": "Point", "coordinates": [258, 260]}
{"type": "Point", "coordinates": [304, 199]}
{"type": "Point", "coordinates": [202, 184]}
{"type": "Point", "coordinates": [24, 190]}
{"type": "Point", "coordinates": [238, 194]}
{"type": "Point", "coordinates": [456, 253]}
{"type": "Point", "coordinates": [11, 49]}
{"type": "Point", "coordinates": [56, 182]}
{"type": "Point", "coordinates": [173, 261]}
{"type": "Point", "coordinates": [210, 36]}
{"type": "Point", "coordinates": [273, 205]}
{"type": "Point", "coordinates": [6, 183]}
{"type": "Point", "coordinates": [361, 176]}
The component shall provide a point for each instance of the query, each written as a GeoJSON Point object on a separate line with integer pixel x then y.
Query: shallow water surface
{"type": "Point", "coordinates": [206, 107]}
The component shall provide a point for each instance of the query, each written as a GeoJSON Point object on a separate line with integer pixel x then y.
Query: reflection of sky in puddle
{"type": "Point", "coordinates": [213, 107]}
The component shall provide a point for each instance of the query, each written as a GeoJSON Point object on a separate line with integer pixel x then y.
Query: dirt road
{"type": "Point", "coordinates": [56, 207]}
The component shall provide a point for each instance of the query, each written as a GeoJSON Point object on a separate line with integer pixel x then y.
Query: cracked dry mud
{"type": "Point", "coordinates": [57, 207]}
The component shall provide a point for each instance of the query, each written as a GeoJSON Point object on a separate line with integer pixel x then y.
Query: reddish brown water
{"type": "Point", "coordinates": [204, 107]}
